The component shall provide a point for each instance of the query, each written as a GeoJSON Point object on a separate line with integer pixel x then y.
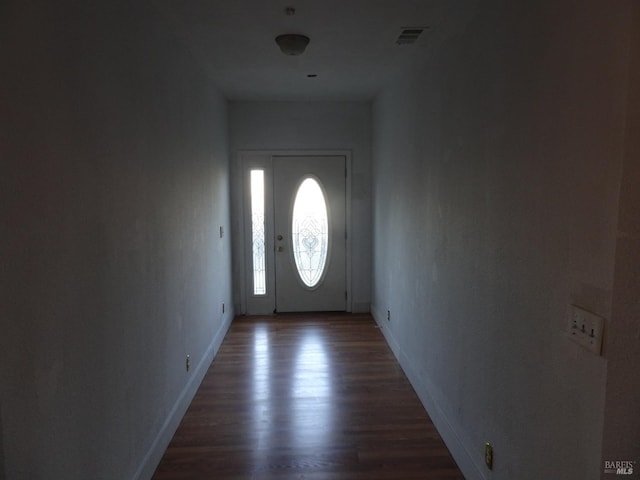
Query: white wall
{"type": "Point", "coordinates": [300, 126]}
{"type": "Point", "coordinates": [114, 183]}
{"type": "Point", "coordinates": [621, 439]}
{"type": "Point", "coordinates": [496, 178]}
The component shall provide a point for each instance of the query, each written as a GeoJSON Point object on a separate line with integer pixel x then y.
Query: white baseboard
{"type": "Point", "coordinates": [451, 439]}
{"type": "Point", "coordinates": [161, 442]}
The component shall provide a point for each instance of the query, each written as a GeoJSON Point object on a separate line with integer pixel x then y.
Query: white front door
{"type": "Point", "coordinates": [309, 204]}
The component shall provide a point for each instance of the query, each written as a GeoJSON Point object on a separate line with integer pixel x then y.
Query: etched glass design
{"type": "Point", "coordinates": [310, 232]}
{"type": "Point", "coordinates": [257, 232]}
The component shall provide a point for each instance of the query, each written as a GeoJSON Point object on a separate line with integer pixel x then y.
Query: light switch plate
{"type": "Point", "coordinates": [585, 328]}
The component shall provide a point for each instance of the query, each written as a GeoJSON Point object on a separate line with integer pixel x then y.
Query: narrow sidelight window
{"type": "Point", "coordinates": [257, 232]}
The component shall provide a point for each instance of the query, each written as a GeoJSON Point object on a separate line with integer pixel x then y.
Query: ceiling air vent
{"type": "Point", "coordinates": [409, 36]}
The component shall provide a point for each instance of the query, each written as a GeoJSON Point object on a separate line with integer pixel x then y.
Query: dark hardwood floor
{"type": "Point", "coordinates": [314, 396]}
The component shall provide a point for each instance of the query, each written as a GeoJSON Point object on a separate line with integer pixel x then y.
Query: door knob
{"type": "Point", "coordinates": [280, 249]}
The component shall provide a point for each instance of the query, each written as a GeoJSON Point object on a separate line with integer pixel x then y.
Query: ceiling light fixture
{"type": "Point", "coordinates": [292, 44]}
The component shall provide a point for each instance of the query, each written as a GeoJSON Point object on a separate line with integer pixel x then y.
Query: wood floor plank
{"type": "Point", "coordinates": [313, 396]}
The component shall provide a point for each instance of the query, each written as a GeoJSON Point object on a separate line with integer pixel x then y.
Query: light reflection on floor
{"type": "Point", "coordinates": [262, 402]}
{"type": "Point", "coordinates": [311, 410]}
{"type": "Point", "coordinates": [306, 396]}
{"type": "Point", "coordinates": [305, 408]}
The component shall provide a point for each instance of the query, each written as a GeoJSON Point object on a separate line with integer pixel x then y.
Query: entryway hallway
{"type": "Point", "coordinates": [306, 396]}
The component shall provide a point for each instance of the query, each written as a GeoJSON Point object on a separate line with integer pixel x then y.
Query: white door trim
{"type": "Point", "coordinates": [248, 159]}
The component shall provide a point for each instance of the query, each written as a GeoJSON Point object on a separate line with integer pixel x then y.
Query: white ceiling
{"type": "Point", "coordinates": [352, 48]}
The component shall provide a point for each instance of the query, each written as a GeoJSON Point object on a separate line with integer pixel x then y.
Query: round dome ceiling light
{"type": "Point", "coordinates": [292, 44]}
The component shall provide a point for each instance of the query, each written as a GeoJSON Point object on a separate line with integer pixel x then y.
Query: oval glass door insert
{"type": "Point", "coordinates": [310, 232]}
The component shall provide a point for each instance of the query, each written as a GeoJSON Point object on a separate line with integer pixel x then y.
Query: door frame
{"type": "Point", "coordinates": [263, 159]}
